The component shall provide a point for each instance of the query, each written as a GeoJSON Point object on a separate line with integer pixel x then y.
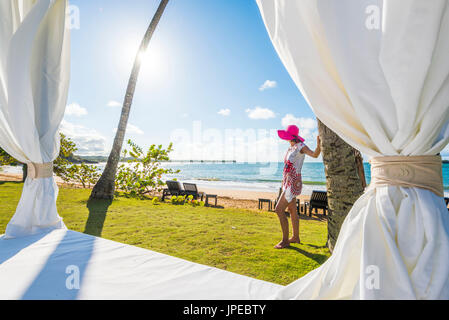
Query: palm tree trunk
{"type": "Point", "coordinates": [105, 187]}
{"type": "Point", "coordinates": [343, 180]}
{"type": "Point", "coordinates": [24, 172]}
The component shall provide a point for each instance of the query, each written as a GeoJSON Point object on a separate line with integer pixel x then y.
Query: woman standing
{"type": "Point", "coordinates": [292, 182]}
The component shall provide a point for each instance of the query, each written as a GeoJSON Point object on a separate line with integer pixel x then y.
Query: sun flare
{"type": "Point", "coordinates": [151, 59]}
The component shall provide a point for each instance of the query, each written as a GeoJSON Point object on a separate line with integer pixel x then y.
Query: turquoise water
{"type": "Point", "coordinates": [256, 176]}
{"type": "Point", "coordinates": [251, 176]}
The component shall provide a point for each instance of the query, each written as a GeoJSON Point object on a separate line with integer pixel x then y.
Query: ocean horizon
{"type": "Point", "coordinates": [264, 177]}
{"type": "Point", "coordinates": [258, 176]}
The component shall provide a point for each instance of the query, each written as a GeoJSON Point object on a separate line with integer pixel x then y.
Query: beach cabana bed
{"type": "Point", "coordinates": [64, 264]}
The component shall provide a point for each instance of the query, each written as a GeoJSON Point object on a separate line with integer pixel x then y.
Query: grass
{"type": "Point", "coordinates": [240, 241]}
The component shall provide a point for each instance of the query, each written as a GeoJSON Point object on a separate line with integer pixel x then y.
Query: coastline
{"type": "Point", "coordinates": [227, 197]}
{"type": "Point", "coordinates": [244, 199]}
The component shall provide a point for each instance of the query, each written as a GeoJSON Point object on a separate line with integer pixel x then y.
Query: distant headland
{"type": "Point", "coordinates": [98, 159]}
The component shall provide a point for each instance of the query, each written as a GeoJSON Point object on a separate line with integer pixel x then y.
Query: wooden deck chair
{"type": "Point", "coordinates": [174, 189]}
{"type": "Point", "coordinates": [318, 200]}
{"type": "Point", "coordinates": [192, 189]}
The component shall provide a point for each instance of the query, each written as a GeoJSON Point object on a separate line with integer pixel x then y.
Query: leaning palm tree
{"type": "Point", "coordinates": [345, 179]}
{"type": "Point", "coordinates": [104, 189]}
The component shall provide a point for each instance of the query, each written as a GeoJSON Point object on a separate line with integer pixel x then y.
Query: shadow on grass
{"type": "Point", "coordinates": [13, 182]}
{"type": "Point", "coordinates": [302, 216]}
{"type": "Point", "coordinates": [319, 258]}
{"type": "Point", "coordinates": [316, 247]}
{"type": "Point", "coordinates": [315, 217]}
{"type": "Point", "coordinates": [97, 215]}
{"type": "Point", "coordinates": [215, 207]}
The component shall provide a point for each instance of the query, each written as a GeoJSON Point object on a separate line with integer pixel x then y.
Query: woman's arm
{"type": "Point", "coordinates": [313, 154]}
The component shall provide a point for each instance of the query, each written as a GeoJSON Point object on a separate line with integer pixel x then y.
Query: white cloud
{"type": "Point", "coordinates": [74, 109]}
{"type": "Point", "coordinates": [249, 145]}
{"type": "Point", "coordinates": [224, 112]}
{"type": "Point", "coordinates": [305, 123]}
{"type": "Point", "coordinates": [268, 85]}
{"type": "Point", "coordinates": [308, 127]}
{"type": "Point", "coordinates": [132, 129]}
{"type": "Point", "coordinates": [114, 104]}
{"type": "Point", "coordinates": [88, 141]}
{"type": "Point", "coordinates": [260, 113]}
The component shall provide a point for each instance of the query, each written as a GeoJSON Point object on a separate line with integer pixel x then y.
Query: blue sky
{"type": "Point", "coordinates": [211, 81]}
{"type": "Point", "coordinates": [206, 68]}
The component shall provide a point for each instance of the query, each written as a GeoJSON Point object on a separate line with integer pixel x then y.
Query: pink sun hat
{"type": "Point", "coordinates": [290, 134]}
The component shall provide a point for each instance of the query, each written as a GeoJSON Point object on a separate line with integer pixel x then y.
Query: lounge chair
{"type": "Point", "coordinates": [174, 189]}
{"type": "Point", "coordinates": [318, 200]}
{"type": "Point", "coordinates": [191, 189]}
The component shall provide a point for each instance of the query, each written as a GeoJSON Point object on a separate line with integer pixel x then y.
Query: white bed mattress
{"type": "Point", "coordinates": [49, 266]}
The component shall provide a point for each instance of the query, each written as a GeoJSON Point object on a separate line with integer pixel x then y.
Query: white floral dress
{"type": "Point", "coordinates": [292, 181]}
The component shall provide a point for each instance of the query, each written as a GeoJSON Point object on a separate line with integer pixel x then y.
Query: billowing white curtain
{"type": "Point", "coordinates": [377, 73]}
{"type": "Point", "coordinates": [34, 78]}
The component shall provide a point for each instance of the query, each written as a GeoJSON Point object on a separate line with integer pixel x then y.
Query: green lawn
{"type": "Point", "coordinates": [240, 241]}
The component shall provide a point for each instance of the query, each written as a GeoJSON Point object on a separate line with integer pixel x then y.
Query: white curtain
{"type": "Point", "coordinates": [34, 78]}
{"type": "Point", "coordinates": [377, 73]}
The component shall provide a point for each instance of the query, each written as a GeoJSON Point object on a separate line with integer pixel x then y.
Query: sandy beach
{"type": "Point", "coordinates": [227, 198]}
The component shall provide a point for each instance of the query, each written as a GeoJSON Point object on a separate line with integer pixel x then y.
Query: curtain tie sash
{"type": "Point", "coordinates": [408, 171]}
{"type": "Point", "coordinates": [40, 170]}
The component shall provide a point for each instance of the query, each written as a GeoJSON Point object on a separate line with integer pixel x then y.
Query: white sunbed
{"type": "Point", "coordinates": [48, 266]}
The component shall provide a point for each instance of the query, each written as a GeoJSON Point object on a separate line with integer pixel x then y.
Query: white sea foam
{"type": "Point", "coordinates": [204, 177]}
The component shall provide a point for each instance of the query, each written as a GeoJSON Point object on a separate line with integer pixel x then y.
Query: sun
{"type": "Point", "coordinates": [152, 61]}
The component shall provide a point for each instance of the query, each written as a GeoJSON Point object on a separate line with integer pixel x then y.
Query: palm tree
{"type": "Point", "coordinates": [345, 179]}
{"type": "Point", "coordinates": [104, 189]}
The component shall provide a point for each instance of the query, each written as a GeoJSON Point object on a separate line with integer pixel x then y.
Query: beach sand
{"type": "Point", "coordinates": [227, 198]}
{"type": "Point", "coordinates": [244, 199]}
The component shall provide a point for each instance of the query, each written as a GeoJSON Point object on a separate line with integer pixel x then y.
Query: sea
{"type": "Point", "coordinates": [249, 176]}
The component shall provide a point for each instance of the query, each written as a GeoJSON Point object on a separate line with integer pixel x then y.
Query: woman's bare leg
{"type": "Point", "coordinates": [280, 211]}
{"type": "Point", "coordinates": [295, 222]}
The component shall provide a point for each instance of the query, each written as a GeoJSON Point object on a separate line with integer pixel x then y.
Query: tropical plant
{"type": "Point", "coordinates": [104, 189]}
{"type": "Point", "coordinates": [142, 174]}
{"type": "Point", "coordinates": [178, 200]}
{"type": "Point", "coordinates": [60, 165]}
{"type": "Point", "coordinates": [6, 159]}
{"type": "Point", "coordinates": [181, 200]}
{"type": "Point", "coordinates": [84, 174]}
{"type": "Point", "coordinates": [343, 179]}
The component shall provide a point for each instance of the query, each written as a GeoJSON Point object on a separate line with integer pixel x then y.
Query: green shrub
{"type": "Point", "coordinates": [143, 172]}
{"type": "Point", "coordinates": [61, 163]}
{"type": "Point", "coordinates": [181, 200]}
{"type": "Point", "coordinates": [84, 174]}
